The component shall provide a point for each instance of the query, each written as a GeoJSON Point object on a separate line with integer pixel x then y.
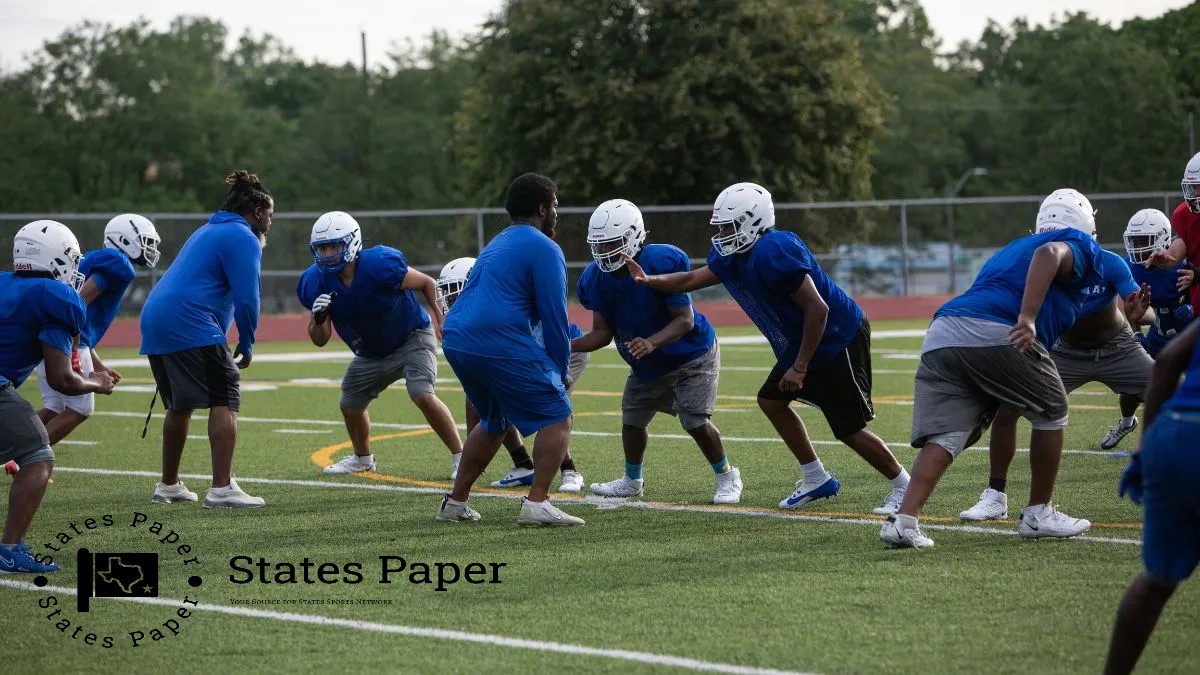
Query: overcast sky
{"type": "Point", "coordinates": [329, 31]}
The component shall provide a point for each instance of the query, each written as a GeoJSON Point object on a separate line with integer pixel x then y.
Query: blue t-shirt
{"type": "Point", "coordinates": [213, 282]}
{"type": "Point", "coordinates": [574, 331]}
{"type": "Point", "coordinates": [374, 316]}
{"type": "Point", "coordinates": [1187, 397]}
{"type": "Point", "coordinates": [34, 310]}
{"type": "Point", "coordinates": [514, 304]}
{"type": "Point", "coordinates": [633, 310]}
{"type": "Point", "coordinates": [112, 273]}
{"type": "Point", "coordinates": [1116, 282]}
{"type": "Point", "coordinates": [763, 279]}
{"type": "Point", "coordinates": [1172, 308]}
{"type": "Point", "coordinates": [998, 288]}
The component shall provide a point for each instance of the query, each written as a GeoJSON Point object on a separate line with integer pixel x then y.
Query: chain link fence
{"type": "Point", "coordinates": [871, 248]}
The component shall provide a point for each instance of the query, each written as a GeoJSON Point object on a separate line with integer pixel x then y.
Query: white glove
{"type": "Point", "coordinates": [320, 308]}
{"type": "Point", "coordinates": [321, 304]}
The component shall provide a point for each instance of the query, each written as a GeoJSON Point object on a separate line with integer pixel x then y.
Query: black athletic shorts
{"type": "Point", "coordinates": [840, 387]}
{"type": "Point", "coordinates": [201, 377]}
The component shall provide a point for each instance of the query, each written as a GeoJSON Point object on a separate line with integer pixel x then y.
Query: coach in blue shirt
{"type": "Point", "coordinates": [214, 280]}
{"type": "Point", "coordinates": [507, 340]}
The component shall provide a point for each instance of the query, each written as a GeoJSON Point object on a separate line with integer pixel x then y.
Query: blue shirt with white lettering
{"type": "Point", "coordinates": [999, 287]}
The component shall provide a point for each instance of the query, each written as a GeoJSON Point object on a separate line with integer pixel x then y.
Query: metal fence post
{"type": "Point", "coordinates": [1167, 205]}
{"type": "Point", "coordinates": [904, 249]}
{"type": "Point", "coordinates": [479, 230]}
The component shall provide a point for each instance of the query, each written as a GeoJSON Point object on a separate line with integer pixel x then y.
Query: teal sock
{"type": "Point", "coordinates": [633, 471]}
{"type": "Point", "coordinates": [721, 466]}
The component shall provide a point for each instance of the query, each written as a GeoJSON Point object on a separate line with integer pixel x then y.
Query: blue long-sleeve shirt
{"type": "Point", "coordinates": [514, 305]}
{"type": "Point", "coordinates": [213, 282]}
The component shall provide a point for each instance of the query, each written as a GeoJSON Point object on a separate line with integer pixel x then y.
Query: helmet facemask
{"type": "Point", "coordinates": [608, 256]}
{"type": "Point", "coordinates": [1191, 194]}
{"type": "Point", "coordinates": [338, 259]}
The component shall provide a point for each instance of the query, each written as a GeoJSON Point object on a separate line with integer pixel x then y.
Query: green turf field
{"type": "Point", "coordinates": [676, 584]}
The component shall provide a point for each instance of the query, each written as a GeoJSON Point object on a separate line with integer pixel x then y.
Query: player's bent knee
{"type": "Point", "coordinates": [690, 421]}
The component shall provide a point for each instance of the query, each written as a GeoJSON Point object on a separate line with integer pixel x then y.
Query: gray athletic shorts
{"type": "Point", "coordinates": [415, 361]}
{"type": "Point", "coordinates": [576, 366]}
{"type": "Point", "coordinates": [690, 392]}
{"type": "Point", "coordinates": [24, 439]}
{"type": "Point", "coordinates": [959, 389]}
{"type": "Point", "coordinates": [1122, 364]}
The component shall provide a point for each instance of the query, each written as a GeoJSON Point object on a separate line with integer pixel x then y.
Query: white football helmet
{"type": "Point", "coordinates": [1148, 232]}
{"type": "Point", "coordinates": [135, 236]}
{"type": "Point", "coordinates": [451, 281]}
{"type": "Point", "coordinates": [1191, 183]}
{"type": "Point", "coordinates": [748, 207]}
{"type": "Point", "coordinates": [1066, 208]}
{"type": "Point", "coordinates": [339, 228]}
{"type": "Point", "coordinates": [616, 221]}
{"type": "Point", "coordinates": [48, 246]}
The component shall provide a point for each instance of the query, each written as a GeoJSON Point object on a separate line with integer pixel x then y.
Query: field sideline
{"type": "Point", "coordinates": [667, 583]}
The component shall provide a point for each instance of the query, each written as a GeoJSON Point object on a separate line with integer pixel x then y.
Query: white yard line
{"type": "Point", "coordinates": [598, 502]}
{"type": "Point", "coordinates": [431, 633]}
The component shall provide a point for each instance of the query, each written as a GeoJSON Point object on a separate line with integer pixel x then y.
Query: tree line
{"type": "Point", "coordinates": [658, 101]}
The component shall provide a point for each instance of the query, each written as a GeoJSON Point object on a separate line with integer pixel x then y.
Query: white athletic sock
{"type": "Point", "coordinates": [814, 472]}
{"type": "Point", "coordinates": [901, 480]}
{"type": "Point", "coordinates": [1128, 421]}
{"type": "Point", "coordinates": [904, 522]}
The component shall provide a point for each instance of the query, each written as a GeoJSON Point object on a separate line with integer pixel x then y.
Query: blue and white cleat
{"type": "Point", "coordinates": [19, 560]}
{"type": "Point", "coordinates": [809, 492]}
{"type": "Point", "coordinates": [515, 476]}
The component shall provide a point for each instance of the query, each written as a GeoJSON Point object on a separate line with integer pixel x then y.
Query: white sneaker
{"type": "Point", "coordinates": [454, 460]}
{"type": "Point", "coordinates": [729, 487]}
{"type": "Point", "coordinates": [891, 503]}
{"type": "Point", "coordinates": [572, 481]}
{"type": "Point", "coordinates": [353, 464]}
{"type": "Point", "coordinates": [171, 494]}
{"type": "Point", "coordinates": [1043, 520]}
{"type": "Point", "coordinates": [515, 476]}
{"type": "Point", "coordinates": [621, 487]}
{"type": "Point", "coordinates": [910, 537]}
{"type": "Point", "coordinates": [453, 513]}
{"type": "Point", "coordinates": [1115, 434]}
{"type": "Point", "coordinates": [231, 497]}
{"type": "Point", "coordinates": [544, 513]}
{"type": "Point", "coordinates": [993, 505]}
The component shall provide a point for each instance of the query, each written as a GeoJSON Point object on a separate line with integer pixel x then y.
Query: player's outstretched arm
{"type": "Point", "coordinates": [90, 290]}
{"type": "Point", "coordinates": [1051, 261]}
{"type": "Point", "coordinates": [1169, 258]}
{"type": "Point", "coordinates": [675, 282]}
{"type": "Point", "coordinates": [597, 338]}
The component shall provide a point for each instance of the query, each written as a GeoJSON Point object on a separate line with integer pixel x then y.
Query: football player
{"type": "Point", "coordinates": [671, 349]}
{"type": "Point", "coordinates": [129, 239]}
{"type": "Point", "coordinates": [1099, 346]}
{"type": "Point", "coordinates": [40, 316]}
{"type": "Point", "coordinates": [1185, 224]}
{"type": "Point", "coordinates": [449, 284]}
{"type": "Point", "coordinates": [986, 350]}
{"type": "Point", "coordinates": [1162, 477]}
{"type": "Point", "coordinates": [1149, 232]}
{"type": "Point", "coordinates": [368, 296]}
{"type": "Point", "coordinates": [821, 339]}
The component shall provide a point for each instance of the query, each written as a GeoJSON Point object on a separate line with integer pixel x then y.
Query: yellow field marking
{"type": "Point", "coordinates": [323, 457]}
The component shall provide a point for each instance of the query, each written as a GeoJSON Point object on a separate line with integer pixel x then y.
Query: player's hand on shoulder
{"type": "Point", "coordinates": [1186, 279]}
{"type": "Point", "coordinates": [635, 270]}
